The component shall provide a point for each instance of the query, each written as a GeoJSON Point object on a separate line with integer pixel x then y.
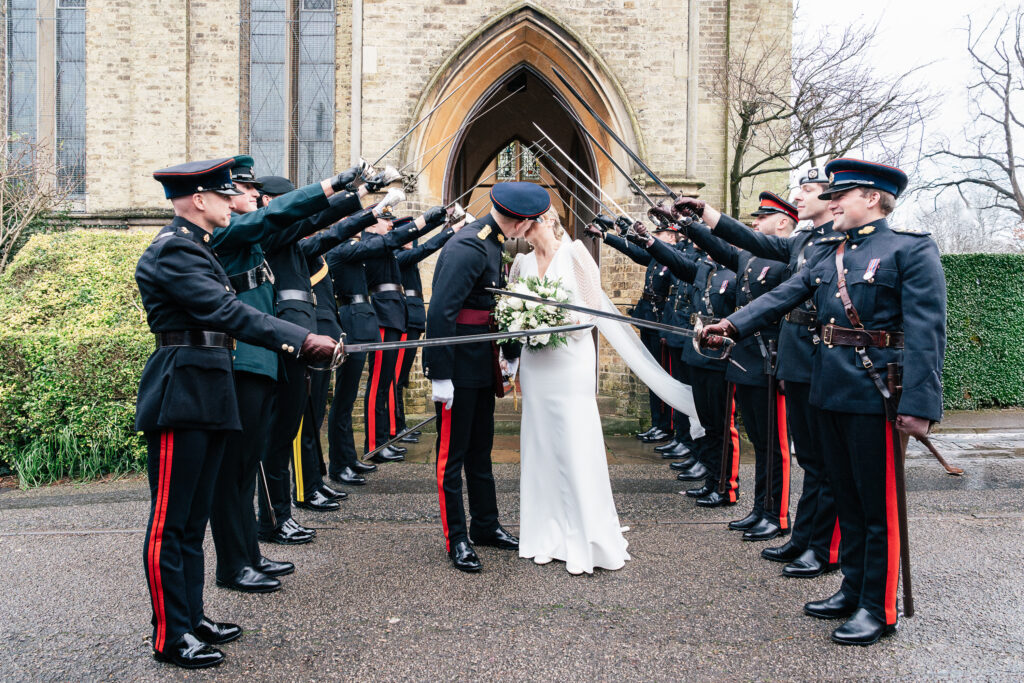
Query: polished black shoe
{"type": "Point", "coordinates": [272, 568]}
{"type": "Point", "coordinates": [683, 464]}
{"type": "Point", "coordinates": [285, 535]}
{"type": "Point", "coordinates": [657, 436]}
{"type": "Point", "coordinates": [387, 455]}
{"type": "Point", "coordinates": [363, 467]}
{"type": "Point", "coordinates": [680, 451]}
{"type": "Point", "coordinates": [318, 502]}
{"type": "Point", "coordinates": [700, 491]}
{"type": "Point", "coordinates": [409, 438]}
{"type": "Point", "coordinates": [666, 446]}
{"type": "Point", "coordinates": [836, 607]}
{"type": "Point", "coordinates": [641, 435]}
{"type": "Point", "coordinates": [292, 524]}
{"type": "Point", "coordinates": [348, 476]}
{"type": "Point", "coordinates": [743, 524]}
{"type": "Point", "coordinates": [499, 539]}
{"type": "Point", "coordinates": [714, 500]}
{"type": "Point", "coordinates": [695, 473]}
{"type": "Point", "coordinates": [787, 552]}
{"type": "Point", "coordinates": [215, 633]}
{"type": "Point", "coordinates": [807, 566]}
{"type": "Point", "coordinates": [862, 629]}
{"type": "Point", "coordinates": [416, 433]}
{"type": "Point", "coordinates": [464, 557]}
{"type": "Point", "coordinates": [189, 652]}
{"type": "Point", "coordinates": [248, 580]}
{"type": "Point", "coordinates": [765, 530]}
{"type": "Point", "coordinates": [332, 494]}
{"type": "Point", "coordinates": [401, 450]}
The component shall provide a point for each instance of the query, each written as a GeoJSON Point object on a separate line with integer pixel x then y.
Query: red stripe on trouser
{"type": "Point", "coordinates": [833, 549]}
{"type": "Point", "coordinates": [394, 385]}
{"type": "Point", "coordinates": [892, 526]}
{"type": "Point", "coordinates": [443, 444]}
{"type": "Point", "coordinates": [780, 414]}
{"type": "Point", "coordinates": [371, 406]}
{"type": "Point", "coordinates": [734, 437]}
{"type": "Point", "coordinates": [156, 586]}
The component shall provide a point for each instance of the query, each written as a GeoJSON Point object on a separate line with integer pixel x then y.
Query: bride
{"type": "Point", "coordinates": [567, 511]}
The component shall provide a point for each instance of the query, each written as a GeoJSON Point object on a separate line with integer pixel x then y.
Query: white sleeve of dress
{"type": "Point", "coordinates": [513, 272]}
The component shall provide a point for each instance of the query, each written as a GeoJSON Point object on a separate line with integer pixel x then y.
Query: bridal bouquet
{"type": "Point", "coordinates": [514, 315]}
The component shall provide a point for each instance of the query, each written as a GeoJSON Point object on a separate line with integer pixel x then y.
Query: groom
{"type": "Point", "coordinates": [465, 378]}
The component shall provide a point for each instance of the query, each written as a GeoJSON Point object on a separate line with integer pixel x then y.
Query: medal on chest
{"type": "Point", "coordinates": [725, 286]}
{"type": "Point", "coordinates": [764, 274]}
{"type": "Point", "coordinates": [872, 268]}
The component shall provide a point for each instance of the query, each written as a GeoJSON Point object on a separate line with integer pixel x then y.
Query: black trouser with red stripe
{"type": "Point", "coordinates": [861, 465]}
{"type": "Point", "coordinates": [661, 412]}
{"type": "Point", "coordinates": [376, 410]}
{"type": "Point", "coordinates": [753, 405]}
{"type": "Point", "coordinates": [309, 469]}
{"type": "Point", "coordinates": [232, 518]}
{"type": "Point", "coordinates": [815, 526]}
{"type": "Point", "coordinates": [340, 439]}
{"type": "Point", "coordinates": [465, 435]}
{"type": "Point", "coordinates": [182, 466]}
{"type": "Point", "coordinates": [711, 394]}
{"type": "Point", "coordinates": [403, 366]}
{"type": "Point", "coordinates": [290, 403]}
{"type": "Point", "coordinates": [680, 421]}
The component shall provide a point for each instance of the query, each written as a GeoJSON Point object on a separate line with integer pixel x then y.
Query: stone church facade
{"type": "Point", "coordinates": [308, 86]}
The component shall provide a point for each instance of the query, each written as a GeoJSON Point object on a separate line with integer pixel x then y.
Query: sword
{"type": "Point", "coordinates": [265, 488]}
{"type": "Point", "coordinates": [899, 450]}
{"type": "Point", "coordinates": [468, 192]}
{"type": "Point", "coordinates": [953, 471]}
{"type": "Point", "coordinates": [466, 80]}
{"type": "Point", "coordinates": [547, 155]}
{"type": "Point", "coordinates": [618, 207]}
{"type": "Point", "coordinates": [632, 155]}
{"type": "Point", "coordinates": [693, 334]}
{"type": "Point", "coordinates": [396, 439]}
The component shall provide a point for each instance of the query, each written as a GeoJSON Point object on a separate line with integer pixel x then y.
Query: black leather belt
{"type": "Point", "coordinates": [834, 335]}
{"type": "Point", "coordinates": [200, 338]}
{"type": "Point", "coordinates": [798, 316]}
{"type": "Point", "coordinates": [704, 319]}
{"type": "Point", "coordinates": [414, 293]}
{"type": "Point", "coordinates": [349, 299]}
{"type": "Point", "coordinates": [251, 279]}
{"type": "Point", "coordinates": [296, 295]}
{"type": "Point", "coordinates": [653, 298]}
{"type": "Point", "coordinates": [386, 287]}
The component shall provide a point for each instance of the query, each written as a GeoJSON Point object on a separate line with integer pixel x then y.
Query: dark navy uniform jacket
{"type": "Point", "coordinates": [469, 262]}
{"type": "Point", "coordinates": [358, 320]}
{"type": "Point", "coordinates": [679, 305]}
{"type": "Point", "coordinates": [184, 287]}
{"type": "Point", "coordinates": [408, 263]}
{"type": "Point", "coordinates": [755, 276]}
{"type": "Point", "coordinates": [713, 293]}
{"type": "Point", "coordinates": [657, 280]}
{"type": "Point", "coordinates": [796, 342]}
{"type": "Point", "coordinates": [382, 269]}
{"type": "Point", "coordinates": [904, 290]}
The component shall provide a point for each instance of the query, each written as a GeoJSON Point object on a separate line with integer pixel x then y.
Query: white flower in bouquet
{"type": "Point", "coordinates": [515, 304]}
{"type": "Point", "coordinates": [540, 339]}
{"type": "Point", "coordinates": [515, 325]}
{"type": "Point", "coordinates": [531, 304]}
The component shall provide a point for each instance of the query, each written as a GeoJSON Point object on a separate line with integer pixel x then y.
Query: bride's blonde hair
{"type": "Point", "coordinates": [552, 215]}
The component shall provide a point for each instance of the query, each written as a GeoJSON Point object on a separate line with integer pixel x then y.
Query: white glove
{"type": "Point", "coordinates": [442, 391]}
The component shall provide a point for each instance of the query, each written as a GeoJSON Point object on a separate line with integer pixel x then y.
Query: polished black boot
{"type": "Point", "coordinates": [743, 524]}
{"type": "Point", "coordinates": [836, 607]}
{"type": "Point", "coordinates": [215, 633]}
{"type": "Point", "coordinates": [348, 476]}
{"type": "Point", "coordinates": [286, 535]}
{"type": "Point", "coordinates": [680, 451]}
{"type": "Point", "coordinates": [641, 435]}
{"type": "Point", "coordinates": [667, 446]}
{"type": "Point", "coordinates": [695, 473]}
{"type": "Point", "coordinates": [363, 467]}
{"type": "Point", "coordinates": [700, 491]}
{"type": "Point", "coordinates": [292, 524]}
{"type": "Point", "coordinates": [499, 539]}
{"type": "Point", "coordinates": [409, 438]}
{"type": "Point", "coordinates": [332, 494]}
{"type": "Point", "coordinates": [401, 450]}
{"type": "Point", "coordinates": [189, 652]}
{"type": "Point", "coordinates": [272, 568]}
{"type": "Point", "coordinates": [683, 464]}
{"type": "Point", "coordinates": [656, 436]}
{"type": "Point", "coordinates": [318, 502]}
{"type": "Point", "coordinates": [387, 455]}
{"type": "Point", "coordinates": [714, 500]}
{"type": "Point", "coordinates": [787, 552]}
{"type": "Point", "coordinates": [807, 566]}
{"type": "Point", "coordinates": [862, 629]}
{"type": "Point", "coordinates": [464, 557]}
{"type": "Point", "coordinates": [764, 530]}
{"type": "Point", "coordinates": [249, 580]}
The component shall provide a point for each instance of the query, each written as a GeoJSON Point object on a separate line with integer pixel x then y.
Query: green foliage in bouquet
{"type": "Point", "coordinates": [514, 315]}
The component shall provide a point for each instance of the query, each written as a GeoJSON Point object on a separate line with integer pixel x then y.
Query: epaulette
{"type": "Point", "coordinates": [806, 228]}
{"type": "Point", "coordinates": [484, 233]}
{"type": "Point", "coordinates": [911, 231]}
{"type": "Point", "coordinates": [833, 238]}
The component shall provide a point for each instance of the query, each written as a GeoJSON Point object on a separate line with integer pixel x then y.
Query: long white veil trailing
{"type": "Point", "coordinates": [625, 340]}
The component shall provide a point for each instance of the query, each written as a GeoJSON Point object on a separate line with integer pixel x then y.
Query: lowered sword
{"type": "Point", "coordinates": [693, 334]}
{"type": "Point", "coordinates": [395, 439]}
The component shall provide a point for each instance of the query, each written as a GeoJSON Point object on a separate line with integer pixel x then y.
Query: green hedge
{"type": "Point", "coordinates": [73, 341]}
{"type": "Point", "coordinates": [985, 346]}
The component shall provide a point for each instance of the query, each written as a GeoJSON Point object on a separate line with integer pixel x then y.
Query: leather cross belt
{"type": "Point", "coordinates": [798, 316]}
{"type": "Point", "coordinates": [386, 287]}
{"type": "Point", "coordinates": [296, 295]}
{"type": "Point", "coordinates": [834, 335]}
{"type": "Point", "coordinates": [199, 338]}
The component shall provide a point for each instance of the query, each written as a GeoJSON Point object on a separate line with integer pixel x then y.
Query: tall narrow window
{"type": "Point", "coordinates": [70, 96]}
{"type": "Point", "coordinates": [288, 103]}
{"type": "Point", "coordinates": [21, 69]}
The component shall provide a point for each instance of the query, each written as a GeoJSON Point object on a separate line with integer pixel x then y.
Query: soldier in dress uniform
{"type": "Point", "coordinates": [464, 379]}
{"type": "Point", "coordinates": [186, 403]}
{"type": "Point", "coordinates": [813, 548]}
{"type": "Point", "coordinates": [880, 296]}
{"type": "Point", "coordinates": [762, 410]}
